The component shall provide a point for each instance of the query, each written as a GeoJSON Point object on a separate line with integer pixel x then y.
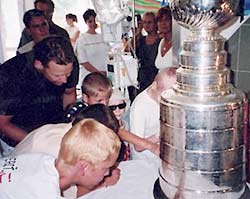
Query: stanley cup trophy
{"type": "Point", "coordinates": [202, 141]}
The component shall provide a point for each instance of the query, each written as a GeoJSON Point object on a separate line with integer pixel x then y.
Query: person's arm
{"type": "Point", "coordinates": [139, 143]}
{"type": "Point", "coordinates": [69, 96]}
{"type": "Point", "coordinates": [75, 36]}
{"type": "Point", "coordinates": [89, 67]}
{"type": "Point", "coordinates": [10, 130]}
{"type": "Point", "coordinates": [107, 181]}
{"type": "Point", "coordinates": [137, 127]}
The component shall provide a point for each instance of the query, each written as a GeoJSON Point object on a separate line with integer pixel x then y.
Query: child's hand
{"type": "Point", "coordinates": [113, 178]}
{"type": "Point", "coordinates": [153, 138]}
{"type": "Point", "coordinates": [155, 148]}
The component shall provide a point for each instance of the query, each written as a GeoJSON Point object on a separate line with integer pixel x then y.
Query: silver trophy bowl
{"type": "Point", "coordinates": [203, 14]}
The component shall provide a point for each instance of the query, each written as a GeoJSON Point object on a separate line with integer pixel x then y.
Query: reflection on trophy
{"type": "Point", "coordinates": [202, 116]}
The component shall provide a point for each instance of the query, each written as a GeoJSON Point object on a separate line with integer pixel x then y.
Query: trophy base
{"type": "Point", "coordinates": [159, 194]}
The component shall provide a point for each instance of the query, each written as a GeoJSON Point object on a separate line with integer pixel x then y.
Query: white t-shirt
{"type": "Point", "coordinates": [71, 30]}
{"type": "Point", "coordinates": [144, 121]}
{"type": "Point", "coordinates": [91, 48]}
{"type": "Point", "coordinates": [26, 47]}
{"type": "Point", "coordinates": [29, 176]}
{"type": "Point", "coordinates": [46, 139]}
{"type": "Point", "coordinates": [166, 60]}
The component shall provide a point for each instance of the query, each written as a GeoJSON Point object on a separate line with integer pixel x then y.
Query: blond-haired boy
{"type": "Point", "coordinates": [96, 88]}
{"type": "Point", "coordinates": [88, 151]}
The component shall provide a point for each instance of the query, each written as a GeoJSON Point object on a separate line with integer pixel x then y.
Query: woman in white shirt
{"type": "Point", "coordinates": [90, 48]}
{"type": "Point", "coordinates": [72, 29]}
{"type": "Point", "coordinates": [164, 23]}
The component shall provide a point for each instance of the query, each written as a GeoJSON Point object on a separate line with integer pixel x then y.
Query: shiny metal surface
{"type": "Point", "coordinates": [202, 139]}
{"type": "Point", "coordinates": [203, 14]}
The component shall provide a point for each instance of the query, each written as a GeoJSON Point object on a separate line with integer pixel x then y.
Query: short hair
{"type": "Point", "coordinates": [71, 16]}
{"type": "Point", "coordinates": [28, 16]}
{"type": "Point", "coordinates": [96, 83]}
{"type": "Point", "coordinates": [162, 12]}
{"type": "Point", "coordinates": [50, 4]}
{"type": "Point", "coordinates": [100, 113]}
{"type": "Point", "coordinates": [54, 48]}
{"type": "Point", "coordinates": [138, 17]}
{"type": "Point", "coordinates": [150, 14]}
{"type": "Point", "coordinates": [105, 116]}
{"type": "Point", "coordinates": [88, 140]}
{"type": "Point", "coordinates": [165, 74]}
{"type": "Point", "coordinates": [88, 13]}
{"type": "Point", "coordinates": [169, 72]}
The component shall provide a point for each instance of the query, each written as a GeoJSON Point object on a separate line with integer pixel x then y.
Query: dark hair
{"type": "Point", "coordinates": [100, 113]}
{"type": "Point", "coordinates": [88, 13]}
{"type": "Point", "coordinates": [28, 16]}
{"type": "Point", "coordinates": [54, 48]}
{"type": "Point", "coordinates": [50, 4]}
{"type": "Point", "coordinates": [163, 11]}
{"type": "Point", "coordinates": [150, 14]}
{"type": "Point", "coordinates": [138, 17]}
{"type": "Point", "coordinates": [71, 16]}
{"type": "Point", "coordinates": [95, 83]}
{"type": "Point", "coordinates": [104, 115]}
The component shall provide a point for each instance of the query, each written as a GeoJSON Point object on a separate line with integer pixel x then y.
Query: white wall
{"type": "Point", "coordinates": [10, 27]}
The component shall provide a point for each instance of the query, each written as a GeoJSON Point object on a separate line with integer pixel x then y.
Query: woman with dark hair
{"type": "Point", "coordinates": [164, 23]}
{"type": "Point", "coordinates": [147, 49]}
{"type": "Point", "coordinates": [72, 29]}
{"type": "Point", "coordinates": [90, 48]}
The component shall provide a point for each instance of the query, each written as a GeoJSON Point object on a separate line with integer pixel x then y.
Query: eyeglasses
{"type": "Point", "coordinates": [120, 106]}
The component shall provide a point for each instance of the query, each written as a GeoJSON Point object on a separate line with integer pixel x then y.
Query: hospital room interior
{"type": "Point", "coordinates": [125, 99]}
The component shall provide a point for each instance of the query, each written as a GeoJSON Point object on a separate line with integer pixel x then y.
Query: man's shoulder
{"type": "Point", "coordinates": [51, 129]}
{"type": "Point", "coordinates": [14, 64]}
{"type": "Point", "coordinates": [57, 30]}
{"type": "Point", "coordinates": [140, 101]}
{"type": "Point", "coordinates": [140, 98]}
{"type": "Point", "coordinates": [26, 47]}
{"type": "Point", "coordinates": [45, 139]}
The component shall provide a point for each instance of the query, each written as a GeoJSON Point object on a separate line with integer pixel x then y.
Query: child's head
{"type": "Point", "coordinates": [117, 103]}
{"type": "Point", "coordinates": [89, 149]}
{"type": "Point", "coordinates": [100, 113]}
{"type": "Point", "coordinates": [96, 88]}
{"type": "Point", "coordinates": [165, 79]}
{"type": "Point", "coordinates": [149, 22]}
{"type": "Point", "coordinates": [104, 115]}
{"type": "Point", "coordinates": [71, 18]}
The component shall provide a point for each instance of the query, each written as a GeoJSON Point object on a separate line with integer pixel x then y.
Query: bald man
{"type": "Point", "coordinates": [145, 111]}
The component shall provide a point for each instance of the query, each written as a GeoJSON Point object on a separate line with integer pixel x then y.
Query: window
{"type": "Point", "coordinates": [10, 28]}
{"type": "Point", "coordinates": [11, 24]}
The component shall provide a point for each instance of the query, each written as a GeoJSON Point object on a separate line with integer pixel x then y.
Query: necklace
{"type": "Point", "coordinates": [167, 45]}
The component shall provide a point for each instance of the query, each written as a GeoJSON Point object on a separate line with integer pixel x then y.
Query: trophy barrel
{"type": "Point", "coordinates": [202, 138]}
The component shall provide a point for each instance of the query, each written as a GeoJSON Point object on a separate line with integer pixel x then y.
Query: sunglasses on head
{"type": "Point", "coordinates": [120, 106]}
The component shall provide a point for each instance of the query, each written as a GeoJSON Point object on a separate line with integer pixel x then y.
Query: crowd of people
{"type": "Point", "coordinates": [54, 145]}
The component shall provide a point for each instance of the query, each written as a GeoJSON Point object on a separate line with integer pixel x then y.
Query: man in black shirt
{"type": "Point", "coordinates": [32, 95]}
